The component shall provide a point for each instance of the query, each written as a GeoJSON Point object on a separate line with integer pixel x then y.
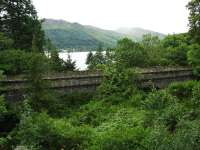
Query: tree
{"type": "Point", "coordinates": [176, 40]}
{"type": "Point", "coordinates": [194, 19]}
{"type": "Point", "coordinates": [177, 46]}
{"type": "Point", "coordinates": [19, 21]}
{"type": "Point", "coordinates": [154, 50]}
{"type": "Point", "coordinates": [97, 59]}
{"type": "Point", "coordinates": [149, 40]}
{"type": "Point", "coordinates": [193, 57]}
{"type": "Point", "coordinates": [130, 54]}
{"type": "Point", "coordinates": [89, 58]}
{"type": "Point", "coordinates": [39, 96]}
{"type": "Point", "coordinates": [2, 102]}
{"type": "Point", "coordinates": [56, 62]}
{"type": "Point", "coordinates": [13, 62]}
{"type": "Point", "coordinates": [5, 42]}
{"type": "Point", "coordinates": [69, 64]}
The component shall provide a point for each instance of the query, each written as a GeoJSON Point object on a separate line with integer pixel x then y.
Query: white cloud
{"type": "Point", "coordinates": [166, 16]}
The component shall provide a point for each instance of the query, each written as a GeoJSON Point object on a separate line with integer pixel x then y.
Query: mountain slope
{"type": "Point", "coordinates": [137, 33]}
{"type": "Point", "coordinates": [77, 37]}
{"type": "Point", "coordinates": [67, 35]}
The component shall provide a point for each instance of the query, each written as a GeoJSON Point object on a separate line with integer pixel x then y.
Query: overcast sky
{"type": "Point", "coordinates": [165, 16]}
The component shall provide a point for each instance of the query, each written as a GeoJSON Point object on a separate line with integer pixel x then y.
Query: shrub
{"type": "Point", "coordinates": [42, 132]}
{"type": "Point", "coordinates": [5, 42]}
{"type": "Point", "coordinates": [39, 95]}
{"type": "Point", "coordinates": [130, 54]}
{"type": "Point", "coordinates": [171, 116]}
{"type": "Point", "coordinates": [120, 139]}
{"type": "Point", "coordinates": [193, 57]}
{"type": "Point", "coordinates": [93, 114]}
{"type": "Point", "coordinates": [4, 144]}
{"type": "Point", "coordinates": [196, 96]}
{"type": "Point", "coordinates": [13, 61]}
{"type": "Point", "coordinates": [158, 139]}
{"type": "Point", "coordinates": [3, 108]}
{"type": "Point", "coordinates": [182, 90]}
{"type": "Point", "coordinates": [158, 100]}
{"type": "Point", "coordinates": [76, 99]}
{"type": "Point", "coordinates": [118, 81]}
{"type": "Point", "coordinates": [137, 99]}
{"type": "Point", "coordinates": [64, 104]}
{"type": "Point", "coordinates": [187, 136]}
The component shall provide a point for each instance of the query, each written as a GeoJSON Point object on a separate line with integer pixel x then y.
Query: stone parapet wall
{"type": "Point", "coordinates": [89, 80]}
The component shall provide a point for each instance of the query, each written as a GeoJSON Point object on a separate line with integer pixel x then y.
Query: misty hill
{"type": "Point", "coordinates": [137, 33]}
{"type": "Point", "coordinates": [74, 36]}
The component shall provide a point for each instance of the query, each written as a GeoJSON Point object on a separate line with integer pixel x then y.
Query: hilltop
{"type": "Point", "coordinates": [77, 37]}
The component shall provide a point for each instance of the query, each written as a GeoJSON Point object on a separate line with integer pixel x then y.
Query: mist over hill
{"type": "Point", "coordinates": [137, 33]}
{"type": "Point", "coordinates": [77, 37]}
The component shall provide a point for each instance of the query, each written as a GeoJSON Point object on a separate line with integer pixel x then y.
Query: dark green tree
{"type": "Point", "coordinates": [176, 47]}
{"type": "Point", "coordinates": [3, 108]}
{"type": "Point", "coordinates": [69, 64]}
{"type": "Point", "coordinates": [154, 50]}
{"type": "Point", "coordinates": [130, 54]}
{"type": "Point", "coordinates": [176, 40]}
{"type": "Point", "coordinates": [56, 62]}
{"type": "Point", "coordinates": [97, 59]}
{"type": "Point", "coordinates": [193, 56]}
{"type": "Point", "coordinates": [39, 96]}
{"type": "Point", "coordinates": [194, 19]}
{"type": "Point", "coordinates": [89, 58]}
{"type": "Point", "coordinates": [13, 62]}
{"type": "Point", "coordinates": [19, 21]}
{"type": "Point", "coordinates": [5, 42]}
{"type": "Point", "coordinates": [149, 40]}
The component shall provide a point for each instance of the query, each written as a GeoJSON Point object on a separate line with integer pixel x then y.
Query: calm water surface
{"type": "Point", "coordinates": [79, 57]}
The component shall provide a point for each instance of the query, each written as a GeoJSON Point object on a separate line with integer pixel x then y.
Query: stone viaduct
{"type": "Point", "coordinates": [13, 87]}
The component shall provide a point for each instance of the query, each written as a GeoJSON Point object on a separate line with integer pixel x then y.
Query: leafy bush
{"type": "Point", "coordinates": [93, 114]}
{"type": "Point", "coordinates": [118, 80]}
{"type": "Point", "coordinates": [158, 100]}
{"type": "Point", "coordinates": [178, 55]}
{"type": "Point", "coordinates": [130, 54]}
{"type": "Point", "coordinates": [119, 139]}
{"type": "Point", "coordinates": [42, 132]}
{"type": "Point", "coordinates": [13, 61]}
{"type": "Point", "coordinates": [187, 136]}
{"type": "Point", "coordinates": [39, 96]}
{"type": "Point", "coordinates": [182, 90]}
{"type": "Point", "coordinates": [3, 108]}
{"type": "Point", "coordinates": [5, 42]}
{"type": "Point", "coordinates": [196, 96]}
{"type": "Point", "coordinates": [171, 116]}
{"type": "Point", "coordinates": [193, 57]}
{"type": "Point", "coordinates": [67, 103]}
{"type": "Point", "coordinates": [158, 139]}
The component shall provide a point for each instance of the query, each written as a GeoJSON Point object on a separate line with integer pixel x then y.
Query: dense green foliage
{"type": "Point", "coordinates": [58, 64]}
{"type": "Point", "coordinates": [119, 115]}
{"type": "Point", "coordinates": [74, 36]}
{"type": "Point", "coordinates": [5, 42]}
{"type": "Point", "coordinates": [194, 20]}
{"type": "Point", "coordinates": [19, 21]}
{"type": "Point", "coordinates": [173, 50]}
{"type": "Point", "coordinates": [193, 57]}
{"type": "Point", "coordinates": [13, 61]}
{"type": "Point", "coordinates": [97, 59]}
{"type": "Point", "coordinates": [156, 120]}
